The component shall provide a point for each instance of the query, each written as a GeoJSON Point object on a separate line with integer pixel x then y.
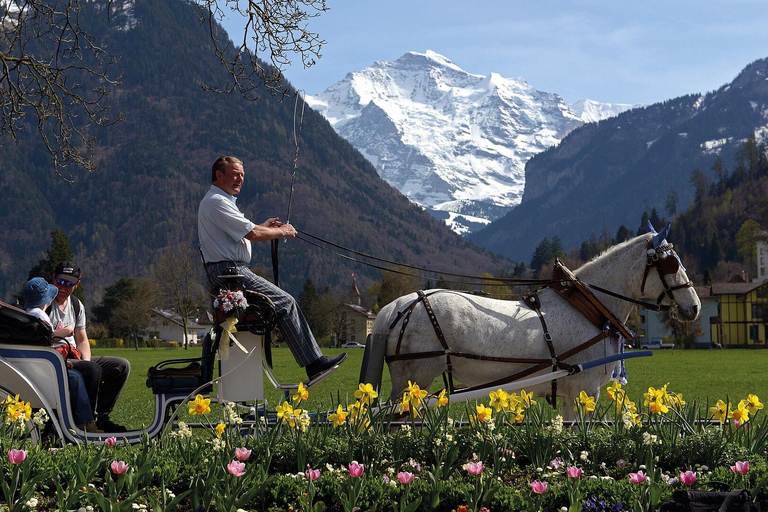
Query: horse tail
{"type": "Point", "coordinates": [376, 347]}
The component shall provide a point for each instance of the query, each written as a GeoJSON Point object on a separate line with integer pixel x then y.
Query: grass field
{"type": "Point", "coordinates": [697, 374]}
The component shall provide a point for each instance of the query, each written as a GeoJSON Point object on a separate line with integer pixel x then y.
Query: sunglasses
{"type": "Point", "coordinates": [63, 282]}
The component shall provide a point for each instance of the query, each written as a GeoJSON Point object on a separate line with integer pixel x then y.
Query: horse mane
{"type": "Point", "coordinates": [606, 254]}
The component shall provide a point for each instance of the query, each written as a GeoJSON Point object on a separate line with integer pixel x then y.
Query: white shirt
{"type": "Point", "coordinates": [221, 228]}
{"type": "Point", "coordinates": [39, 313]}
{"type": "Point", "coordinates": [61, 318]}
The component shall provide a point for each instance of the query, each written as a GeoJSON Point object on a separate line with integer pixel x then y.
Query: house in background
{"type": "Point", "coordinates": [170, 327]}
{"type": "Point", "coordinates": [358, 321]}
{"type": "Point", "coordinates": [653, 322]}
{"type": "Point", "coordinates": [742, 319]}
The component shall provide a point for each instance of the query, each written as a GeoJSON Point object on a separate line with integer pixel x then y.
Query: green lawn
{"type": "Point", "coordinates": [697, 374]}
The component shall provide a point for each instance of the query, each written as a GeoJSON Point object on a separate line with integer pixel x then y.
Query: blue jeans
{"type": "Point", "coordinates": [78, 398]}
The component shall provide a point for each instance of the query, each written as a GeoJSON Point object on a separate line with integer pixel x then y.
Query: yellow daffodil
{"type": "Point", "coordinates": [301, 394]}
{"type": "Point", "coordinates": [514, 403]}
{"type": "Point", "coordinates": [200, 405]}
{"type": "Point", "coordinates": [753, 404]}
{"type": "Point", "coordinates": [584, 403]}
{"type": "Point", "coordinates": [220, 429]}
{"type": "Point", "coordinates": [499, 399]}
{"type": "Point", "coordinates": [658, 406]}
{"type": "Point", "coordinates": [284, 412]}
{"type": "Point", "coordinates": [614, 391]}
{"type": "Point", "coordinates": [416, 393]}
{"type": "Point", "coordinates": [366, 394]}
{"type": "Point", "coordinates": [405, 404]}
{"type": "Point", "coordinates": [721, 412]}
{"type": "Point", "coordinates": [339, 417]}
{"type": "Point", "coordinates": [741, 414]}
{"type": "Point", "coordinates": [653, 395]}
{"type": "Point", "coordinates": [442, 399]}
{"type": "Point", "coordinates": [483, 413]}
{"type": "Point", "coordinates": [526, 400]}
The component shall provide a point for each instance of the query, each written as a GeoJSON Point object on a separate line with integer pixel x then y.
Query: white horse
{"type": "Point", "coordinates": [645, 266]}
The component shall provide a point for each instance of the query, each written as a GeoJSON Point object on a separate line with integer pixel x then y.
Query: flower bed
{"type": "Point", "coordinates": [508, 453]}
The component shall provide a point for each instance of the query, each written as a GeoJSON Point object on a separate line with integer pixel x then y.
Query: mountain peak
{"type": "Point", "coordinates": [453, 142]}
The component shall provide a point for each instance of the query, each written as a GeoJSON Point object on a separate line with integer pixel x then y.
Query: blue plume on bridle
{"type": "Point", "coordinates": [660, 239]}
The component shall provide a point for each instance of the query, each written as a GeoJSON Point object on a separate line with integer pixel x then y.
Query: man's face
{"type": "Point", "coordinates": [231, 181]}
{"type": "Point", "coordinates": [65, 286]}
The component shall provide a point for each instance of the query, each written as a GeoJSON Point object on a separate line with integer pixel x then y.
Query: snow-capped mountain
{"type": "Point", "coordinates": [453, 142]}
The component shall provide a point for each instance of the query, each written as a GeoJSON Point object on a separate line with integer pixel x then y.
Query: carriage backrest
{"type": "Point", "coordinates": [19, 327]}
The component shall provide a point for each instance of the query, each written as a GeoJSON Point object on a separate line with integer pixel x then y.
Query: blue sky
{"type": "Point", "coordinates": [610, 51]}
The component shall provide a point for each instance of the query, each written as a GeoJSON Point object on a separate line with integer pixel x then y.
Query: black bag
{"type": "Point", "coordinates": [739, 500]}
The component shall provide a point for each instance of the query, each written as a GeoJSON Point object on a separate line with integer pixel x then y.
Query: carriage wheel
{"type": "Point", "coordinates": [31, 431]}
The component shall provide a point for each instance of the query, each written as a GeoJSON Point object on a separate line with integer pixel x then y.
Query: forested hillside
{"type": "Point", "coordinates": [715, 235]}
{"type": "Point", "coordinates": [605, 174]}
{"type": "Point", "coordinates": [155, 167]}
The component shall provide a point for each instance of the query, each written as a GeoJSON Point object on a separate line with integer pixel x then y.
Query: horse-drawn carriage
{"type": "Point", "coordinates": [37, 373]}
{"type": "Point", "coordinates": [563, 329]}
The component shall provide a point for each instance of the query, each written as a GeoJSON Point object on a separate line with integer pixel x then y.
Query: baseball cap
{"type": "Point", "coordinates": [37, 292]}
{"type": "Point", "coordinates": [68, 271]}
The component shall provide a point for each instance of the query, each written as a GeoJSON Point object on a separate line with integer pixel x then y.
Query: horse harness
{"type": "Point", "coordinates": [568, 286]}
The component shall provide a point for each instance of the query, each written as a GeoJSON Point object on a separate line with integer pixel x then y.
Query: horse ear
{"type": "Point", "coordinates": [650, 227]}
{"type": "Point", "coordinates": [659, 238]}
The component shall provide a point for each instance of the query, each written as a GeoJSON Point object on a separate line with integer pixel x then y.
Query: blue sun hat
{"type": "Point", "coordinates": [38, 292]}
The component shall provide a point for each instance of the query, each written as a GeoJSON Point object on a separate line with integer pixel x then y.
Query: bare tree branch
{"type": "Point", "coordinates": [46, 60]}
{"type": "Point", "coordinates": [273, 30]}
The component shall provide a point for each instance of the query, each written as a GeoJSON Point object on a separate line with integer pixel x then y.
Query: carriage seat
{"type": "Point", "coordinates": [19, 327]}
{"type": "Point", "coordinates": [195, 373]}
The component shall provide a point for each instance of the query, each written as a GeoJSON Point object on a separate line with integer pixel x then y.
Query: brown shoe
{"type": "Point", "coordinates": [90, 427]}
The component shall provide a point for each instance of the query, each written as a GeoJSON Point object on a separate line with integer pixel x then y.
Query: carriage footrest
{"type": "Point", "coordinates": [320, 377]}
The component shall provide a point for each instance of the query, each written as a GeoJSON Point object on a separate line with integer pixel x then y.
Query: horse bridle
{"type": "Point", "coordinates": [666, 261]}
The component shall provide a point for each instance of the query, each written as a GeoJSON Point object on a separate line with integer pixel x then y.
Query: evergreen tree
{"type": "Point", "coordinates": [115, 294]}
{"type": "Point", "coordinates": [541, 256]}
{"type": "Point", "coordinates": [721, 175]}
{"type": "Point", "coordinates": [671, 204]}
{"type": "Point", "coordinates": [700, 184]}
{"type": "Point", "coordinates": [623, 234]}
{"type": "Point", "coordinates": [58, 252]}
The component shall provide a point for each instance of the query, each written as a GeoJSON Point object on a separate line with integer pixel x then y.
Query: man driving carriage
{"type": "Point", "coordinates": [225, 240]}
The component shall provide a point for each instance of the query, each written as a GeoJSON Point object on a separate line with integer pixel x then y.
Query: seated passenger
{"type": "Point", "coordinates": [38, 295]}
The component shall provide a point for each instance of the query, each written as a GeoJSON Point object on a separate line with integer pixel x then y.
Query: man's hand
{"type": "Point", "coordinates": [273, 222]}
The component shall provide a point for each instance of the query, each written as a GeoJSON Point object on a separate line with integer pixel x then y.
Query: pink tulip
{"type": "Point", "coordinates": [404, 477]}
{"type": "Point", "coordinates": [119, 467]}
{"type": "Point", "coordinates": [242, 454]}
{"type": "Point", "coordinates": [539, 487]}
{"type": "Point", "coordinates": [356, 470]}
{"type": "Point", "coordinates": [741, 467]}
{"type": "Point", "coordinates": [574, 472]}
{"type": "Point", "coordinates": [111, 441]}
{"type": "Point", "coordinates": [637, 478]}
{"type": "Point", "coordinates": [236, 468]}
{"type": "Point", "coordinates": [688, 478]}
{"type": "Point", "coordinates": [475, 468]}
{"type": "Point", "coordinates": [312, 474]}
{"type": "Point", "coordinates": [17, 456]}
